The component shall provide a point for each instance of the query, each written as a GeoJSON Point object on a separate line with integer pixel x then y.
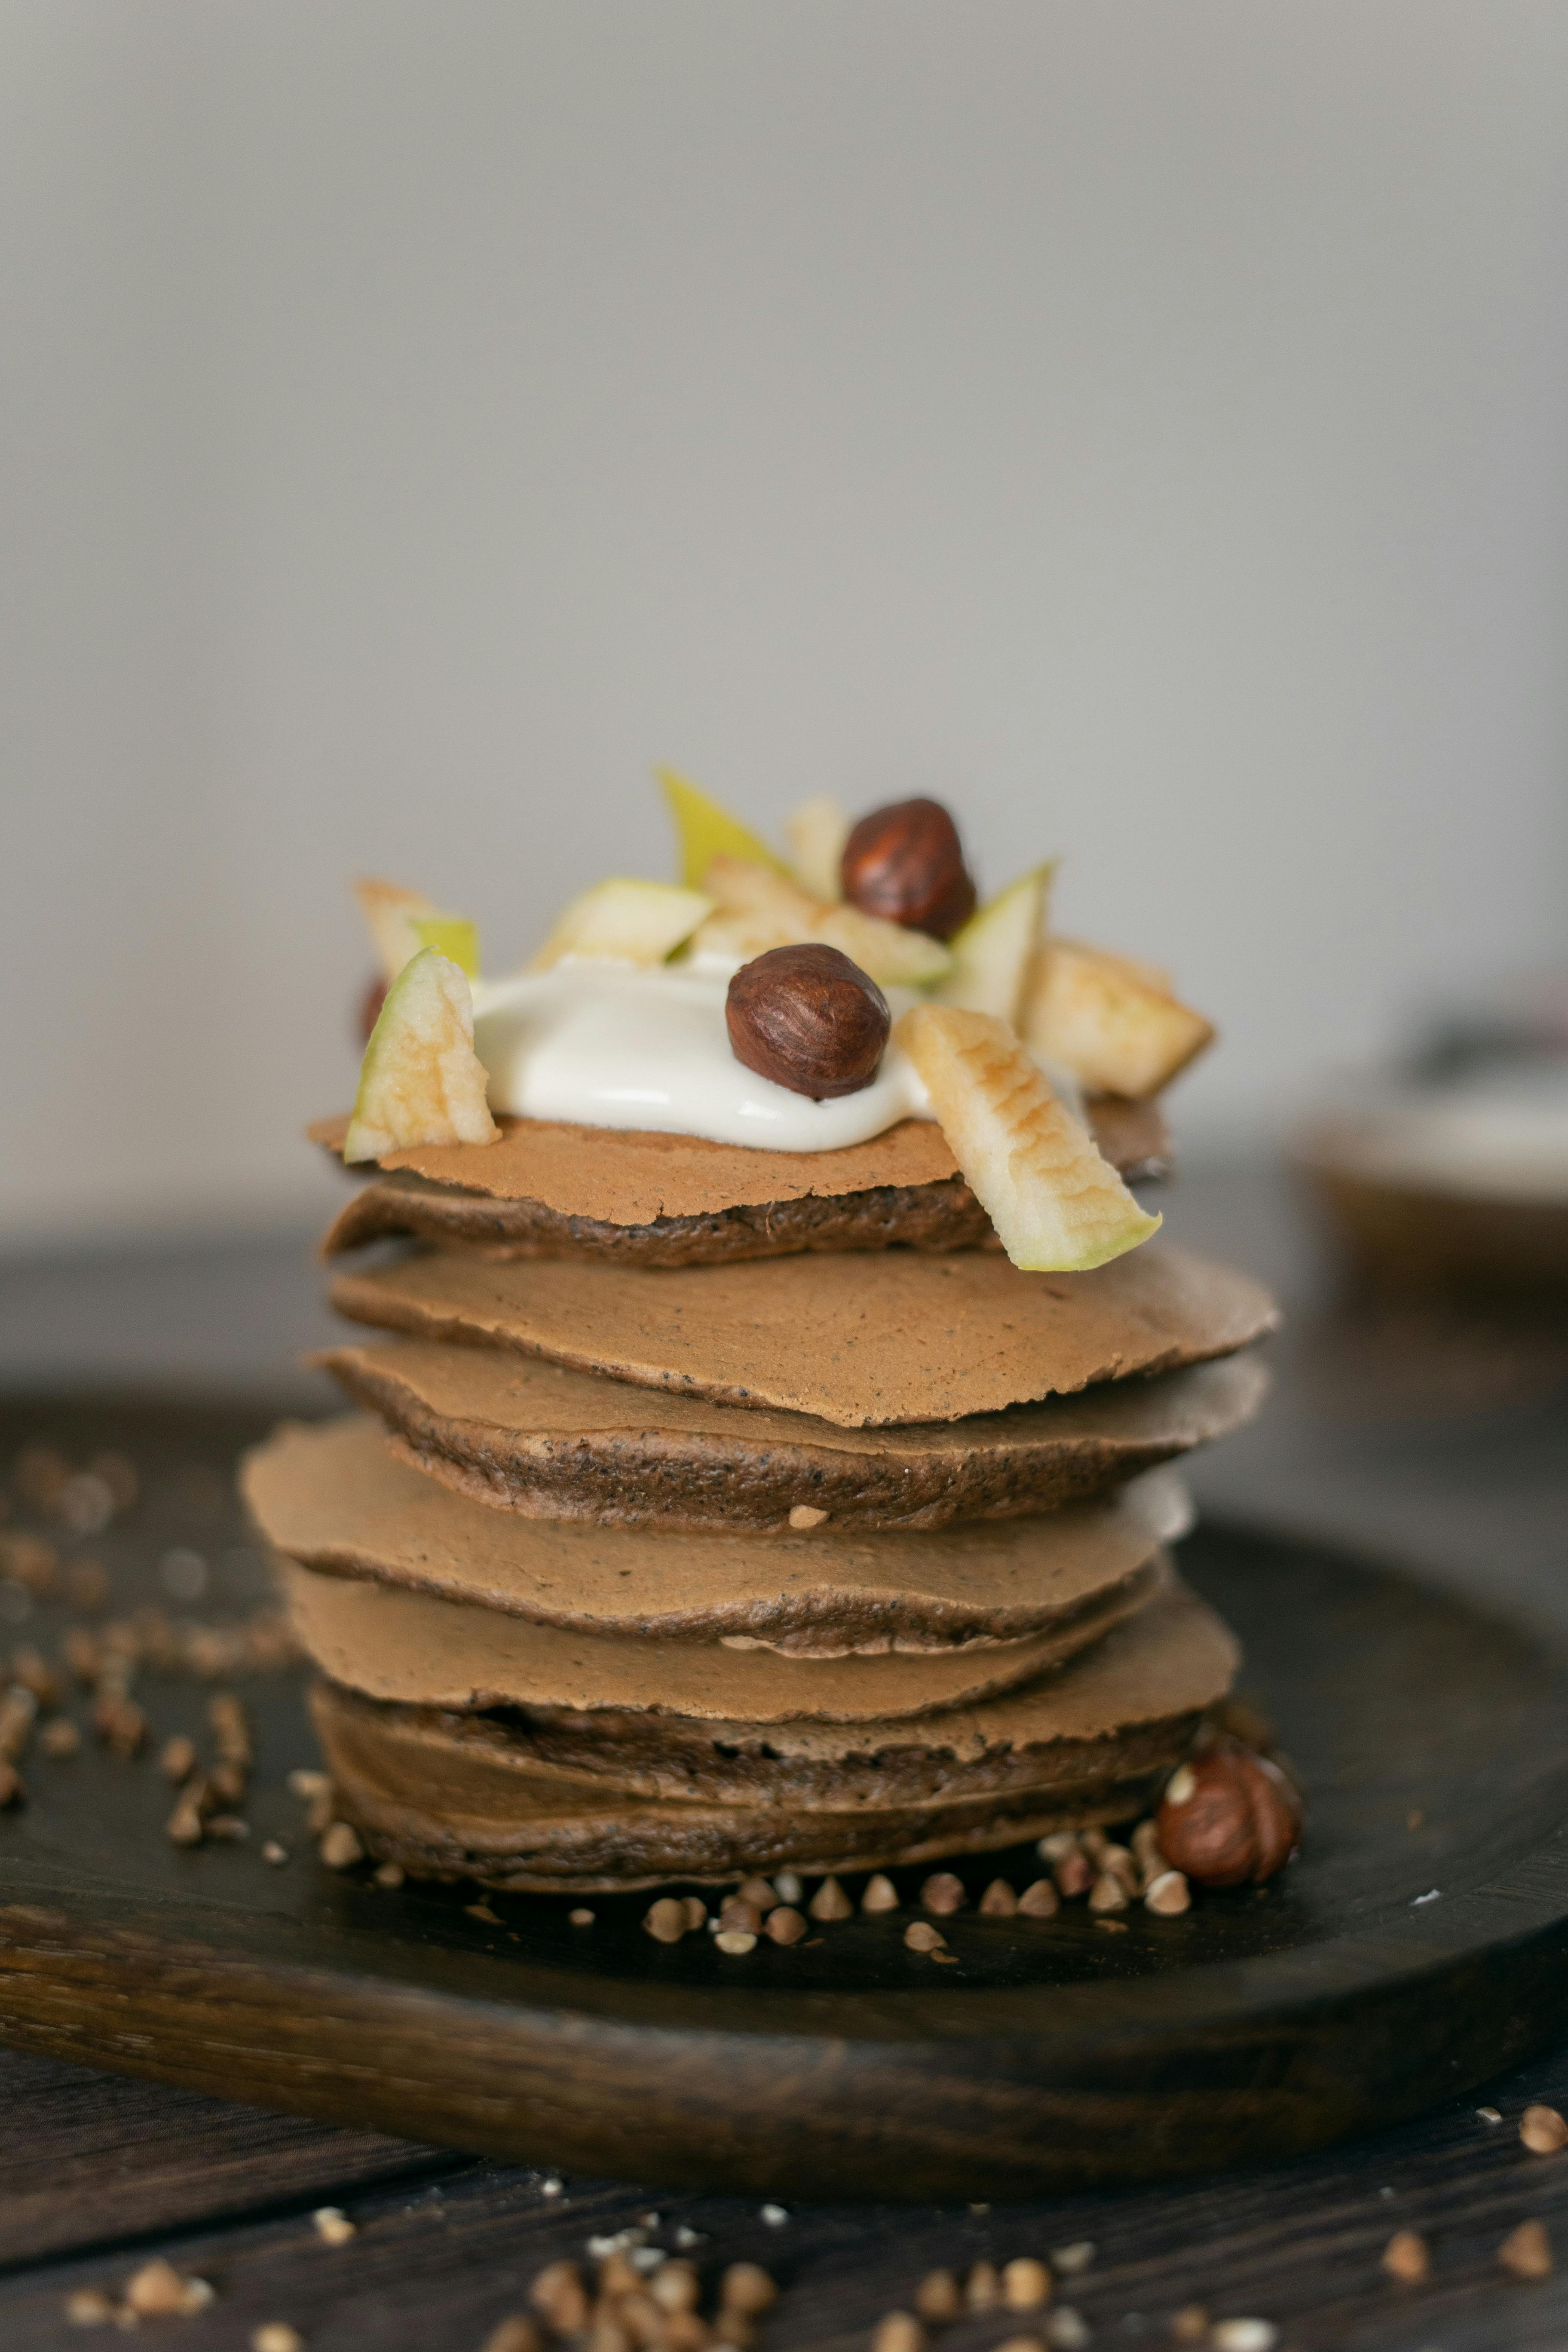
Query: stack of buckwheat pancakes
{"type": "Point", "coordinates": [717, 1509]}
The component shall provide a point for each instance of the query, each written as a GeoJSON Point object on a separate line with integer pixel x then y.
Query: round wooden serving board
{"type": "Point", "coordinates": [1432, 1739]}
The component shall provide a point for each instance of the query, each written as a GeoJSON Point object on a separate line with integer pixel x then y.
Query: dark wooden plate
{"type": "Point", "coordinates": [1431, 1736]}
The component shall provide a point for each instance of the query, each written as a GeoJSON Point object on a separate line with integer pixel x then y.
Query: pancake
{"type": "Point", "coordinates": [392, 1642]}
{"type": "Point", "coordinates": [863, 1341]}
{"type": "Point", "coordinates": [334, 1498]}
{"type": "Point", "coordinates": [899, 1188]}
{"type": "Point", "coordinates": [450, 1796]}
{"type": "Point", "coordinates": [940, 1215]}
{"type": "Point", "coordinates": [525, 1435]}
{"type": "Point", "coordinates": [638, 1176]}
{"type": "Point", "coordinates": [1164, 1665]}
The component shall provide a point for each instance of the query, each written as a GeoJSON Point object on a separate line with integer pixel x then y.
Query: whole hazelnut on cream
{"type": "Point", "coordinates": [808, 1019]}
{"type": "Point", "coordinates": [1228, 1817]}
{"type": "Point", "coordinates": [905, 863]}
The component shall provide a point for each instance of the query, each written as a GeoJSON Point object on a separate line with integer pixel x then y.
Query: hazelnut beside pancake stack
{"type": "Point", "coordinates": [763, 1459]}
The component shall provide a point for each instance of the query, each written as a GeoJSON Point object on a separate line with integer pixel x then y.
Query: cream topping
{"type": "Point", "coordinates": [609, 1044]}
{"type": "Point", "coordinates": [614, 1045]}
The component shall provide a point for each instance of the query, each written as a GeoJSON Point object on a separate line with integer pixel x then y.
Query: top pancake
{"type": "Point", "coordinates": [864, 1342]}
{"type": "Point", "coordinates": [631, 1176]}
{"type": "Point", "coordinates": [549, 1189]}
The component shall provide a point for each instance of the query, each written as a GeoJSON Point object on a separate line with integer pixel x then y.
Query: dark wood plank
{"type": "Point", "coordinates": [88, 2159]}
{"type": "Point", "coordinates": [441, 2261]}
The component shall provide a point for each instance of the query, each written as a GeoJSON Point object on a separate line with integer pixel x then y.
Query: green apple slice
{"type": "Point", "coordinates": [392, 913]}
{"type": "Point", "coordinates": [457, 939]}
{"type": "Point", "coordinates": [706, 831]}
{"type": "Point", "coordinates": [421, 1080]}
{"type": "Point", "coordinates": [817, 833]}
{"type": "Point", "coordinates": [624, 922]}
{"type": "Point", "coordinates": [1112, 1021]}
{"type": "Point", "coordinates": [992, 953]}
{"type": "Point", "coordinates": [1058, 1206]}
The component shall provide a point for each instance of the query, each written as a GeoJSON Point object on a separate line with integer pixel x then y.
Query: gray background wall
{"type": "Point", "coordinates": [1144, 424]}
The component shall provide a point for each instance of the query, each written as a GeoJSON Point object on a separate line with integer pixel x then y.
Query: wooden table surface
{"type": "Point", "coordinates": [1436, 1438]}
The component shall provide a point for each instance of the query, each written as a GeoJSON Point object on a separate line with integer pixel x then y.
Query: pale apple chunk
{"type": "Point", "coordinates": [392, 913]}
{"type": "Point", "coordinates": [817, 833]}
{"type": "Point", "coordinates": [1058, 1206]}
{"type": "Point", "coordinates": [421, 1080]}
{"type": "Point", "coordinates": [754, 910]}
{"type": "Point", "coordinates": [992, 953]}
{"type": "Point", "coordinates": [759, 910]}
{"type": "Point", "coordinates": [895, 956]}
{"type": "Point", "coordinates": [624, 922]}
{"type": "Point", "coordinates": [1108, 1021]}
{"type": "Point", "coordinates": [739, 885]}
{"type": "Point", "coordinates": [706, 831]}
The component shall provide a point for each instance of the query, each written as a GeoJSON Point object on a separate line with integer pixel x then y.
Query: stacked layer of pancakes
{"type": "Point", "coordinates": [714, 1510]}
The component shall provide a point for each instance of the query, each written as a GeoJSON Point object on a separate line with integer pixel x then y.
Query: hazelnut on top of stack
{"type": "Point", "coordinates": [765, 1466]}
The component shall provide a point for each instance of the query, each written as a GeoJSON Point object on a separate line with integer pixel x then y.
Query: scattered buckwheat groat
{"type": "Point", "coordinates": [88, 2307]}
{"type": "Point", "coordinates": [1026, 2284]}
{"type": "Point", "coordinates": [666, 1919]}
{"type": "Point", "coordinates": [514, 2335]}
{"type": "Point", "coordinates": [1543, 2131]}
{"type": "Point", "coordinates": [1244, 2336]}
{"type": "Point", "coordinates": [982, 2288]}
{"type": "Point", "coordinates": [1405, 2258]}
{"type": "Point", "coordinates": [158, 2291]}
{"type": "Point", "coordinates": [830, 1902]}
{"type": "Point", "coordinates": [898, 2331]}
{"type": "Point", "coordinates": [1526, 2253]}
{"type": "Point", "coordinates": [938, 2298]}
{"type": "Point", "coordinates": [340, 1848]}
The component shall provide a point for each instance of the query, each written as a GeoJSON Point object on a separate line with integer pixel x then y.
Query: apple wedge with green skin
{"type": "Point", "coordinates": [624, 921]}
{"type": "Point", "coordinates": [817, 833]}
{"type": "Point", "coordinates": [421, 1080]}
{"type": "Point", "coordinates": [992, 953]}
{"type": "Point", "coordinates": [759, 910]}
{"type": "Point", "coordinates": [1058, 1205]}
{"type": "Point", "coordinates": [705, 831]}
{"type": "Point", "coordinates": [1113, 1022]}
{"type": "Point", "coordinates": [391, 911]}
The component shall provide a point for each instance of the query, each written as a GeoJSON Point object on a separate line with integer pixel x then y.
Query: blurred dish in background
{"type": "Point", "coordinates": [1450, 1173]}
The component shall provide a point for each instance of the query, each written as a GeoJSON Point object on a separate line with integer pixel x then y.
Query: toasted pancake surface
{"type": "Point", "coordinates": [864, 1342]}
{"type": "Point", "coordinates": [525, 1434]}
{"type": "Point", "coordinates": [902, 1188]}
{"type": "Point", "coordinates": [453, 1796]}
{"type": "Point", "coordinates": [394, 1642]}
{"type": "Point", "coordinates": [335, 1499]}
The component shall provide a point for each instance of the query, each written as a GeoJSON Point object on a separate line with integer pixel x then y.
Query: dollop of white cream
{"type": "Point", "coordinates": [608, 1044]}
